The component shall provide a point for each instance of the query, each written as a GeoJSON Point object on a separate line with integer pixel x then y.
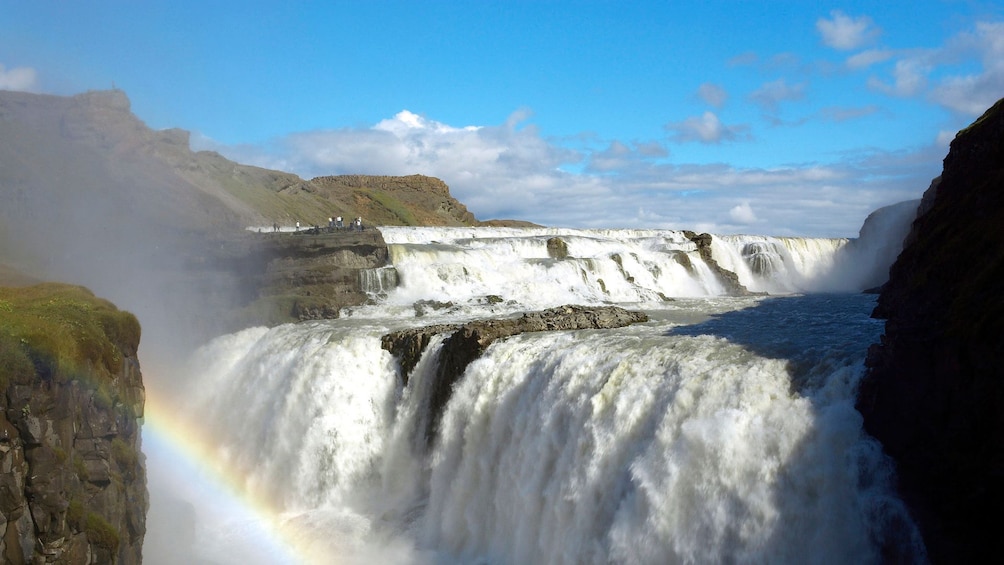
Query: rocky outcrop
{"type": "Point", "coordinates": [318, 275]}
{"type": "Point", "coordinates": [934, 392]}
{"type": "Point", "coordinates": [557, 248]}
{"type": "Point", "coordinates": [72, 481]}
{"type": "Point", "coordinates": [727, 278]}
{"type": "Point", "coordinates": [468, 341]}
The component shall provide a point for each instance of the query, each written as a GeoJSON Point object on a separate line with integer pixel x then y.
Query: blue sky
{"type": "Point", "coordinates": [784, 118]}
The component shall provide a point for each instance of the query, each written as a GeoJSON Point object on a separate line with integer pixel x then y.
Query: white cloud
{"type": "Point", "coordinates": [868, 58]}
{"type": "Point", "coordinates": [931, 73]}
{"type": "Point", "coordinates": [619, 157]}
{"type": "Point", "coordinates": [616, 156]}
{"type": "Point", "coordinates": [909, 78]}
{"type": "Point", "coordinates": [770, 95]}
{"type": "Point", "coordinates": [973, 93]}
{"type": "Point", "coordinates": [18, 78]}
{"type": "Point", "coordinates": [712, 94]}
{"type": "Point", "coordinates": [844, 32]}
{"type": "Point", "coordinates": [746, 59]}
{"type": "Point", "coordinates": [652, 149]}
{"type": "Point", "coordinates": [743, 214]}
{"type": "Point", "coordinates": [511, 171]}
{"type": "Point", "coordinates": [706, 128]}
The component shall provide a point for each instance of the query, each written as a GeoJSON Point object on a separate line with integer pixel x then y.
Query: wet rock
{"type": "Point", "coordinates": [557, 248]}
{"type": "Point", "coordinates": [423, 307]}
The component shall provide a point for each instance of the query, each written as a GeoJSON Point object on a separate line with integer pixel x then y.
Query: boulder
{"type": "Point", "coordinates": [557, 248]}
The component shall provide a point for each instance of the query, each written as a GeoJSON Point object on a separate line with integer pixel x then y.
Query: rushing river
{"type": "Point", "coordinates": [722, 430]}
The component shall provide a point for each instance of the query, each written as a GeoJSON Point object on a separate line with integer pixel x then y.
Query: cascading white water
{"type": "Point", "coordinates": [777, 265]}
{"type": "Point", "coordinates": [723, 430]}
{"type": "Point", "coordinates": [644, 448]}
{"type": "Point", "coordinates": [465, 265]}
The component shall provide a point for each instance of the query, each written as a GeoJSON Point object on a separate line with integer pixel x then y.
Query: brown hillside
{"type": "Point", "coordinates": [415, 200]}
{"type": "Point", "coordinates": [67, 160]}
{"type": "Point", "coordinates": [83, 179]}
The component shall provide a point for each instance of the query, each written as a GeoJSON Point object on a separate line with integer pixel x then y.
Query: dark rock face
{"type": "Point", "coordinates": [468, 341]}
{"type": "Point", "coordinates": [934, 393]}
{"type": "Point", "coordinates": [321, 271]}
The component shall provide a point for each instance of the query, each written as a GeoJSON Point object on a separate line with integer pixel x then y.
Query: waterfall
{"type": "Point", "coordinates": [378, 282]}
{"type": "Point", "coordinates": [711, 434]}
{"type": "Point", "coordinates": [466, 265]}
{"type": "Point", "coordinates": [777, 265]}
{"type": "Point", "coordinates": [721, 430]}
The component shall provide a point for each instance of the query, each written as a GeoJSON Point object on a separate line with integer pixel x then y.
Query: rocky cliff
{"type": "Point", "coordinates": [934, 393]}
{"type": "Point", "coordinates": [72, 481]}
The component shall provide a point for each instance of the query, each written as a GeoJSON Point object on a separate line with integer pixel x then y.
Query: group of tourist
{"type": "Point", "coordinates": [334, 224]}
{"type": "Point", "coordinates": [338, 224]}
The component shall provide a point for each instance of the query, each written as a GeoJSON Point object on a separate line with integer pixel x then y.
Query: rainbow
{"type": "Point", "coordinates": [180, 459]}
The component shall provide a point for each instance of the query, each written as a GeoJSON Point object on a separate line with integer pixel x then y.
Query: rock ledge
{"type": "Point", "coordinates": [469, 340]}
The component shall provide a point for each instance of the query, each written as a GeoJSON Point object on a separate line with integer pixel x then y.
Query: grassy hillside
{"type": "Point", "coordinates": [61, 331]}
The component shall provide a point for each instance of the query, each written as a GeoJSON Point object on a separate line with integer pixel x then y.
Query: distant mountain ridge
{"type": "Point", "coordinates": [91, 147]}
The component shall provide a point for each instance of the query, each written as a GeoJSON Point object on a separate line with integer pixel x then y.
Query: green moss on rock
{"type": "Point", "coordinates": [64, 330]}
{"type": "Point", "coordinates": [100, 532]}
